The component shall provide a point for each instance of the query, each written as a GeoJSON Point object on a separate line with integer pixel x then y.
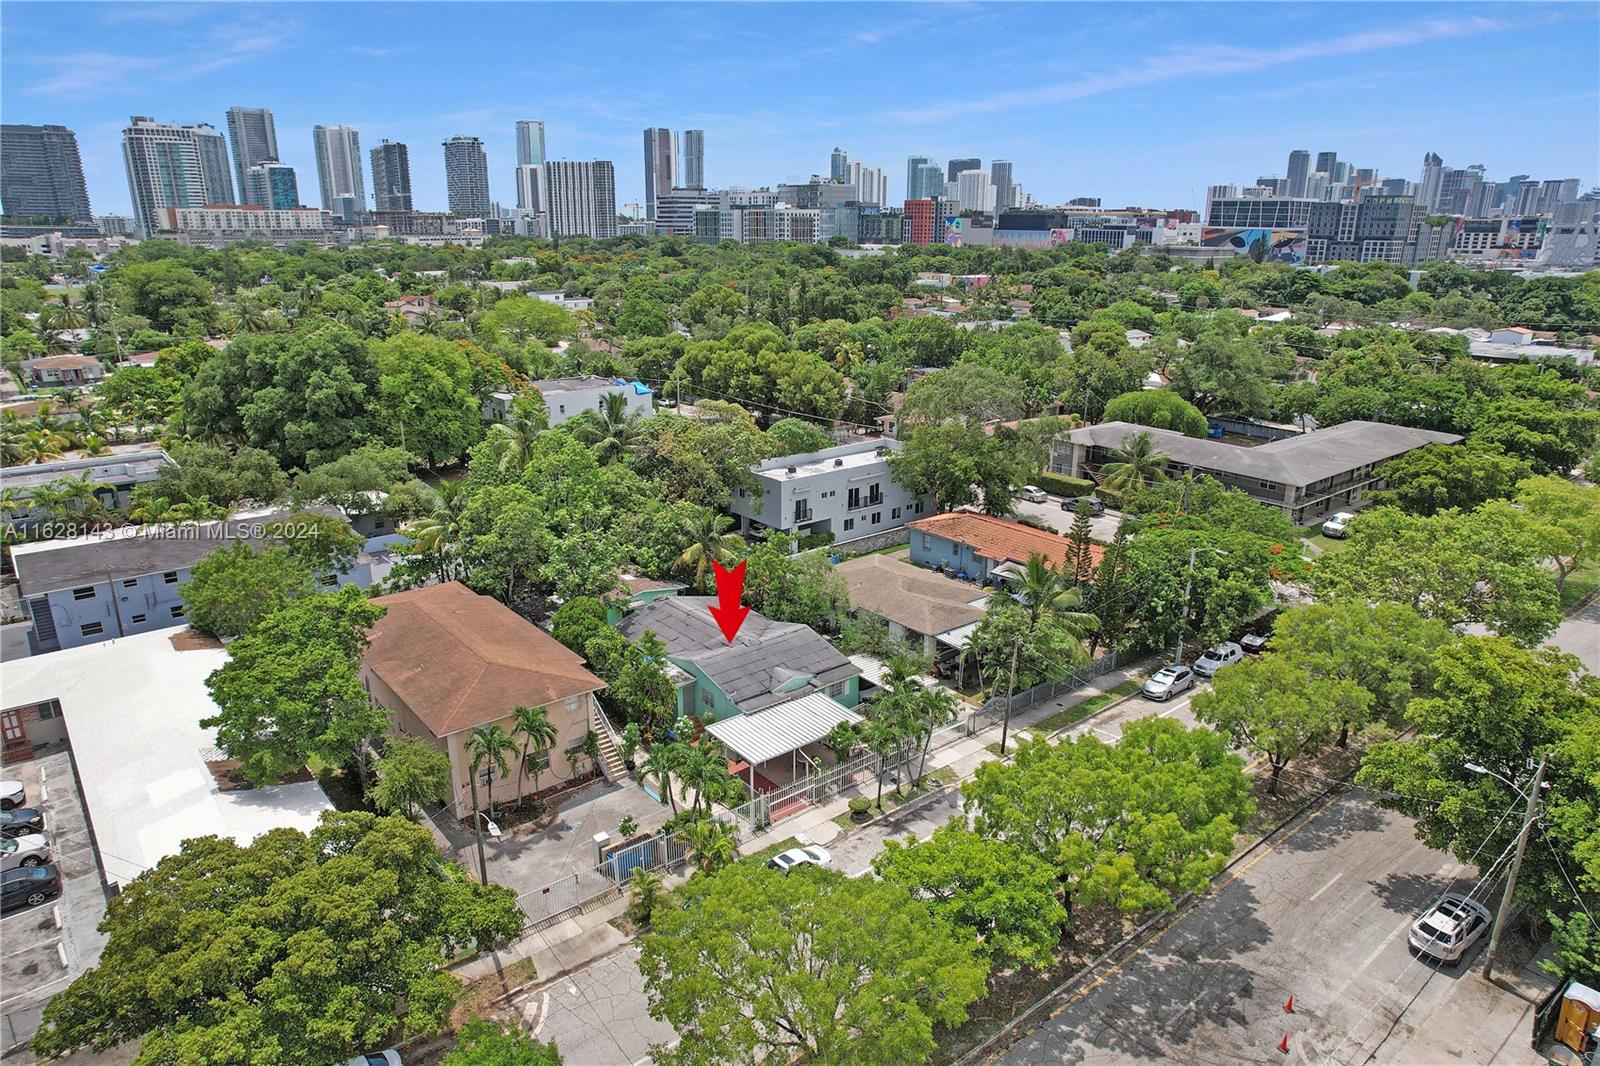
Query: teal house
{"type": "Point", "coordinates": [770, 695]}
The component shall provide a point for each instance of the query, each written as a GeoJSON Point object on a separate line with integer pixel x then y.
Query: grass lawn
{"type": "Point", "coordinates": [770, 850]}
{"type": "Point", "coordinates": [1327, 544]}
{"type": "Point", "coordinates": [1580, 583]}
{"type": "Point", "coordinates": [1079, 711]}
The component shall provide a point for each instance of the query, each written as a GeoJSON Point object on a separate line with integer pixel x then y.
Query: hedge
{"type": "Point", "coordinates": [1062, 485]}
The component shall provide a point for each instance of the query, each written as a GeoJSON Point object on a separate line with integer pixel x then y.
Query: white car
{"type": "Point", "coordinates": [1449, 930]}
{"type": "Point", "coordinates": [12, 794]}
{"type": "Point", "coordinates": [1338, 525]}
{"type": "Point", "coordinates": [390, 1057]}
{"type": "Point", "coordinates": [1214, 659]}
{"type": "Point", "coordinates": [1168, 681]}
{"type": "Point", "coordinates": [1033, 494]}
{"type": "Point", "coordinates": [30, 849]}
{"type": "Point", "coordinates": [811, 856]}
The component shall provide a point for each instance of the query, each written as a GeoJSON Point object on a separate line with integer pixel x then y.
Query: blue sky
{"type": "Point", "coordinates": [1135, 103]}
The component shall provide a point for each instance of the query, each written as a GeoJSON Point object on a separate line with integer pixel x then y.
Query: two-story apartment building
{"type": "Point", "coordinates": [444, 659]}
{"type": "Point", "coordinates": [112, 476]}
{"type": "Point", "coordinates": [977, 547]}
{"type": "Point", "coordinates": [1307, 476]}
{"type": "Point", "coordinates": [82, 590]}
{"type": "Point", "coordinates": [848, 491]}
{"type": "Point", "coordinates": [566, 398]}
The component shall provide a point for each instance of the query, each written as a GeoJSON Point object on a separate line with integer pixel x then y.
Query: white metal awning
{"type": "Point", "coordinates": [778, 730]}
{"type": "Point", "coordinates": [874, 669]}
{"type": "Point", "coordinates": [958, 637]}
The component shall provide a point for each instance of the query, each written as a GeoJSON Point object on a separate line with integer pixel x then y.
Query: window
{"type": "Point", "coordinates": [894, 514]}
{"type": "Point", "coordinates": [877, 516]}
{"type": "Point", "coordinates": [177, 611]}
{"type": "Point", "coordinates": [837, 688]}
{"type": "Point", "coordinates": [380, 523]}
{"type": "Point", "coordinates": [329, 580]}
{"type": "Point", "coordinates": [130, 583]}
{"type": "Point", "coordinates": [849, 523]}
{"type": "Point", "coordinates": [927, 542]}
{"type": "Point", "coordinates": [537, 761]}
{"type": "Point", "coordinates": [854, 500]}
{"type": "Point", "coordinates": [707, 700]}
{"type": "Point", "coordinates": [170, 577]}
{"type": "Point", "coordinates": [919, 507]}
{"type": "Point", "coordinates": [49, 710]}
{"type": "Point", "coordinates": [93, 629]}
{"type": "Point", "coordinates": [741, 494]}
{"type": "Point", "coordinates": [85, 593]}
{"type": "Point", "coordinates": [137, 619]}
{"type": "Point", "coordinates": [574, 703]}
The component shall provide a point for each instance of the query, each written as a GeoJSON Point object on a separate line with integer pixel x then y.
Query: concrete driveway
{"type": "Point", "coordinates": [1051, 514]}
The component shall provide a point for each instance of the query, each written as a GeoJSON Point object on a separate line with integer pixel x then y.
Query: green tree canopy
{"type": "Point", "coordinates": [299, 949]}
{"type": "Point", "coordinates": [412, 774]}
{"type": "Point", "coordinates": [1159, 409]}
{"type": "Point", "coordinates": [1438, 477]}
{"type": "Point", "coordinates": [231, 590]}
{"type": "Point", "coordinates": [762, 965]}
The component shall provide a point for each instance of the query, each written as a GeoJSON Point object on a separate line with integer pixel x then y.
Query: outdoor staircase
{"type": "Point", "coordinates": [611, 764]}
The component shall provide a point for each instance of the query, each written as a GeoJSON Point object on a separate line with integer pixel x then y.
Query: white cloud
{"type": "Point", "coordinates": [229, 45]}
{"type": "Point", "coordinates": [1203, 61]}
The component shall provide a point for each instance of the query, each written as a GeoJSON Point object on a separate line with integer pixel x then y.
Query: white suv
{"type": "Point", "coordinates": [1214, 659]}
{"type": "Point", "coordinates": [1449, 930]}
{"type": "Point", "coordinates": [1338, 525]}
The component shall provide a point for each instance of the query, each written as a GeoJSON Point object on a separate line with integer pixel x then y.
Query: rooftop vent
{"type": "Point", "coordinates": [838, 462]}
{"type": "Point", "coordinates": [792, 469]}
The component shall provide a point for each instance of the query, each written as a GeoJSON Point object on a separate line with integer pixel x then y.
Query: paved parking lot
{"type": "Point", "coordinates": [1051, 514]}
{"type": "Point", "coordinates": [43, 948]}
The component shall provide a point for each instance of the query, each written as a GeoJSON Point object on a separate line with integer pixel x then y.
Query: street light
{"type": "Point", "coordinates": [1532, 796]}
{"type": "Point", "coordinates": [1188, 587]}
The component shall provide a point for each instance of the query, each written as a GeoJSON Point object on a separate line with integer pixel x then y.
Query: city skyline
{"type": "Point", "coordinates": [1275, 81]}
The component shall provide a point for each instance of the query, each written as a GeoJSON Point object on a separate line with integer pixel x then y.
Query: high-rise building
{"type": "Point", "coordinates": [582, 199]}
{"type": "Point", "coordinates": [974, 191]}
{"type": "Point", "coordinates": [839, 166]}
{"type": "Point", "coordinates": [927, 181]}
{"type": "Point", "coordinates": [339, 172]}
{"type": "Point", "coordinates": [173, 166]}
{"type": "Point", "coordinates": [660, 157]}
{"type": "Point", "coordinates": [1299, 167]}
{"type": "Point", "coordinates": [391, 176]}
{"type": "Point", "coordinates": [255, 140]}
{"type": "Point", "coordinates": [41, 175]}
{"type": "Point", "coordinates": [466, 176]}
{"type": "Point", "coordinates": [692, 172]}
{"type": "Point", "coordinates": [1000, 175]}
{"type": "Point", "coordinates": [214, 161]}
{"type": "Point", "coordinates": [955, 167]}
{"type": "Point", "coordinates": [270, 183]}
{"type": "Point", "coordinates": [915, 167]}
{"type": "Point", "coordinates": [530, 187]}
{"type": "Point", "coordinates": [1432, 182]}
{"type": "Point", "coordinates": [1327, 163]}
{"type": "Point", "coordinates": [1250, 212]}
{"type": "Point", "coordinates": [870, 184]}
{"type": "Point", "coordinates": [530, 142]}
{"type": "Point", "coordinates": [675, 209]}
{"type": "Point", "coordinates": [924, 219]}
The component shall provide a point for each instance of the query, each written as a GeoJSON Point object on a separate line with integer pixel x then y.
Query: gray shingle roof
{"type": "Point", "coordinates": [764, 655]}
{"type": "Point", "coordinates": [1301, 460]}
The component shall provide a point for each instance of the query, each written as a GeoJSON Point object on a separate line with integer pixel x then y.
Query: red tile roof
{"type": "Point", "coordinates": [998, 539]}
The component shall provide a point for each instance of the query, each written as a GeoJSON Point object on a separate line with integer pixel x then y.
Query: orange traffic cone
{"type": "Point", "coordinates": [1284, 1047]}
{"type": "Point", "coordinates": [1288, 1008]}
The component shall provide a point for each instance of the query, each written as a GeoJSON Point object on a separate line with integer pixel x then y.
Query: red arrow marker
{"type": "Point", "coordinates": [730, 586]}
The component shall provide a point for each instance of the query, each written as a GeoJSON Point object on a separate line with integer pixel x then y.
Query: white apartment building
{"type": "Point", "coordinates": [219, 225]}
{"type": "Point", "coordinates": [580, 199]}
{"type": "Point", "coordinates": [173, 166]}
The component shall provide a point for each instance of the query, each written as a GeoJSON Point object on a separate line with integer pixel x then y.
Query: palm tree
{"type": "Point", "coordinates": [1134, 465]}
{"type": "Point", "coordinates": [709, 541]}
{"type": "Point", "coordinates": [67, 315]}
{"type": "Point", "coordinates": [49, 333]}
{"type": "Point", "coordinates": [612, 431]}
{"type": "Point", "coordinates": [249, 317]}
{"type": "Point", "coordinates": [514, 437]}
{"type": "Point", "coordinates": [882, 737]}
{"type": "Point", "coordinates": [713, 843]}
{"type": "Point", "coordinates": [662, 762]}
{"type": "Point", "coordinates": [1048, 591]}
{"type": "Point", "coordinates": [438, 532]}
{"type": "Point", "coordinates": [538, 733]}
{"type": "Point", "coordinates": [43, 445]}
{"type": "Point", "coordinates": [492, 745]}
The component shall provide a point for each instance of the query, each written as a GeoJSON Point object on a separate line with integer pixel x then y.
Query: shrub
{"type": "Point", "coordinates": [859, 808]}
{"type": "Point", "coordinates": [1062, 485]}
{"type": "Point", "coordinates": [814, 540]}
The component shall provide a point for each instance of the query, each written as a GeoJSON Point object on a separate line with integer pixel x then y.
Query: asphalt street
{"type": "Point", "coordinates": [1321, 915]}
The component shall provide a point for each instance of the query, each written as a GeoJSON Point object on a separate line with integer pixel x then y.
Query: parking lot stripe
{"type": "Point", "coordinates": [1327, 886]}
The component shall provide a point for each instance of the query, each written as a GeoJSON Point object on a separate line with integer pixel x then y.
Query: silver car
{"type": "Point", "coordinates": [1448, 931]}
{"type": "Point", "coordinates": [30, 849]}
{"type": "Point", "coordinates": [1168, 681]}
{"type": "Point", "coordinates": [1214, 659]}
{"type": "Point", "coordinates": [1033, 494]}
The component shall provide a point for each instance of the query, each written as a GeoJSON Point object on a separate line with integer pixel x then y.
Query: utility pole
{"type": "Point", "coordinates": [1493, 953]}
{"type": "Point", "coordinates": [1011, 693]}
{"type": "Point", "coordinates": [477, 831]}
{"type": "Point", "coordinates": [1188, 588]}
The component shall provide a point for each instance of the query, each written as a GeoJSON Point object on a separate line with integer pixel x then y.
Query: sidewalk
{"type": "Point", "coordinates": [584, 938]}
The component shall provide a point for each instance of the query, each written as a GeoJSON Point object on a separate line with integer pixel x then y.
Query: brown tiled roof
{"type": "Point", "coordinates": [460, 660]}
{"type": "Point", "coordinates": [64, 362]}
{"type": "Point", "coordinates": [918, 599]}
{"type": "Point", "coordinates": [636, 585]}
{"type": "Point", "coordinates": [998, 539]}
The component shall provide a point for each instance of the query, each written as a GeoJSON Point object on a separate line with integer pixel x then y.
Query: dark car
{"type": "Point", "coordinates": [1097, 506]}
{"type": "Point", "coordinates": [21, 820]}
{"type": "Point", "coordinates": [29, 886]}
{"type": "Point", "coordinates": [1255, 643]}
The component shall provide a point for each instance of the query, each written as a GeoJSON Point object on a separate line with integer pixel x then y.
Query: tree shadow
{"type": "Point", "coordinates": [1151, 1008]}
{"type": "Point", "coordinates": [1409, 893]}
{"type": "Point", "coordinates": [1340, 821]}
